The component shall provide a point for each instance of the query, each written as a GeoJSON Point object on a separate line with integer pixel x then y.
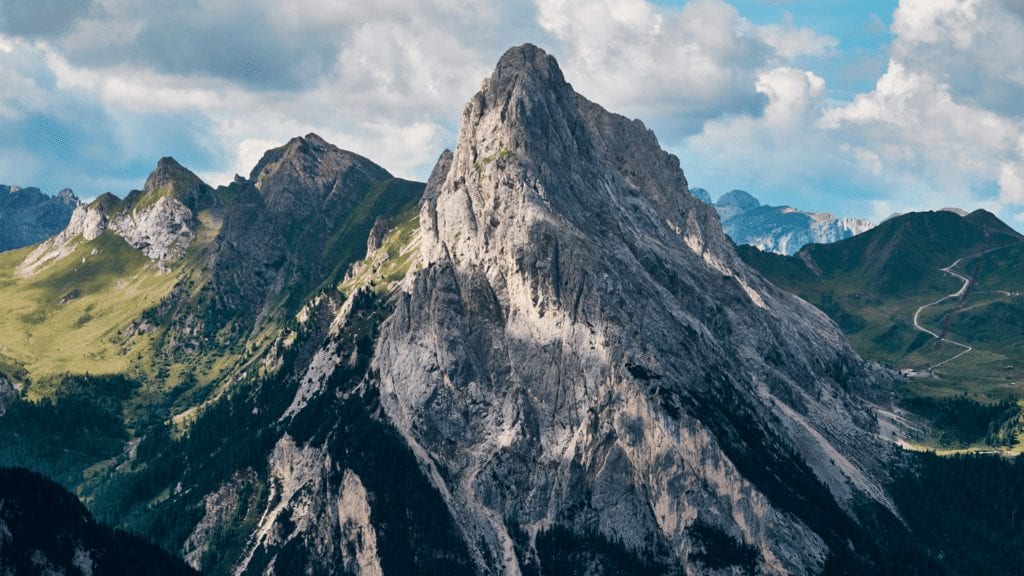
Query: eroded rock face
{"type": "Point", "coordinates": [86, 223]}
{"type": "Point", "coordinates": [162, 231]}
{"type": "Point", "coordinates": [584, 350]}
{"type": "Point", "coordinates": [330, 519]}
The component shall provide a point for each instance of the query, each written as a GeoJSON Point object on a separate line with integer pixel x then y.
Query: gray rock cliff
{"type": "Point", "coordinates": [583, 351]}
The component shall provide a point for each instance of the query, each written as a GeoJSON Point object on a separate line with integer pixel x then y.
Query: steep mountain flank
{"type": "Point", "coordinates": [584, 356]}
{"type": "Point", "coordinates": [297, 224]}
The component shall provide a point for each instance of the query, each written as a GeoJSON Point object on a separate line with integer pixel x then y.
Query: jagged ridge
{"type": "Point", "coordinates": [583, 351]}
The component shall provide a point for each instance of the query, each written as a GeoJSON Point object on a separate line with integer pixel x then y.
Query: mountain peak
{"type": "Point", "coordinates": [311, 142]}
{"type": "Point", "coordinates": [168, 162]}
{"type": "Point", "coordinates": [740, 199]}
{"type": "Point", "coordinates": [702, 195]}
{"type": "Point", "coordinates": [67, 195]}
{"type": "Point", "coordinates": [549, 215]}
{"type": "Point", "coordinates": [299, 177]}
{"type": "Point", "coordinates": [314, 138]}
{"type": "Point", "coordinates": [526, 62]}
{"type": "Point", "coordinates": [171, 178]}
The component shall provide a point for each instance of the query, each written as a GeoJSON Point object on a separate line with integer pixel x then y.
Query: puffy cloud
{"type": "Point", "coordinates": [676, 68]}
{"type": "Point", "coordinates": [792, 42]}
{"type": "Point", "coordinates": [62, 135]}
{"type": "Point", "coordinates": [972, 46]}
{"type": "Point", "coordinates": [791, 93]}
{"type": "Point", "coordinates": [947, 112]}
{"type": "Point", "coordinates": [1011, 183]}
{"type": "Point", "coordinates": [944, 124]}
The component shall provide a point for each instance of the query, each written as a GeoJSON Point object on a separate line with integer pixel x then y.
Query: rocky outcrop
{"type": "Point", "coordinates": [584, 354]}
{"type": "Point", "coordinates": [162, 231]}
{"type": "Point", "coordinates": [28, 216]}
{"type": "Point", "coordinates": [331, 519]}
{"type": "Point", "coordinates": [87, 223]}
{"type": "Point", "coordinates": [360, 551]}
{"type": "Point", "coordinates": [780, 229]}
{"type": "Point", "coordinates": [157, 220]}
{"type": "Point", "coordinates": [220, 508]}
{"type": "Point", "coordinates": [8, 393]}
{"type": "Point", "coordinates": [377, 234]}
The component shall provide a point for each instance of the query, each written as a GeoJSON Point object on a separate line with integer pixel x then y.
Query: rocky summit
{"type": "Point", "coordinates": [584, 352]}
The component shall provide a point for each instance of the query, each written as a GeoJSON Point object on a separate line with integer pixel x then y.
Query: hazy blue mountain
{"type": "Point", "coordinates": [780, 229]}
{"type": "Point", "coordinates": [28, 216]}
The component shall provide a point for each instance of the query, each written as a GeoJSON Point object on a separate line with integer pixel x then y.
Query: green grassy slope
{"type": "Point", "coordinates": [67, 318]}
{"type": "Point", "coordinates": [872, 284]}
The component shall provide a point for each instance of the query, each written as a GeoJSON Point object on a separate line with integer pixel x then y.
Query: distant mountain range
{"type": "Point", "coordinates": [28, 216]}
{"type": "Point", "coordinates": [779, 229]}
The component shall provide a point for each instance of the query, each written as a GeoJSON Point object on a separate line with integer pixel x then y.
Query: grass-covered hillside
{"type": "Point", "coordinates": [873, 284]}
{"type": "Point", "coordinates": [71, 316]}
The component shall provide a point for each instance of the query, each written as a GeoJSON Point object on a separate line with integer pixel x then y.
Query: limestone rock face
{"type": "Point", "coordinates": [584, 351]}
{"type": "Point", "coordinates": [331, 519]}
{"type": "Point", "coordinates": [162, 231]}
{"type": "Point", "coordinates": [87, 223]}
{"type": "Point", "coordinates": [377, 233]}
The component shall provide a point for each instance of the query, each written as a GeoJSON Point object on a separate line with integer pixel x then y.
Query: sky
{"type": "Point", "coordinates": [862, 108]}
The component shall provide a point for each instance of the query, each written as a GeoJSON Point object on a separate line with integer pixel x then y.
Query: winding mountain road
{"type": "Point", "coordinates": [958, 294]}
